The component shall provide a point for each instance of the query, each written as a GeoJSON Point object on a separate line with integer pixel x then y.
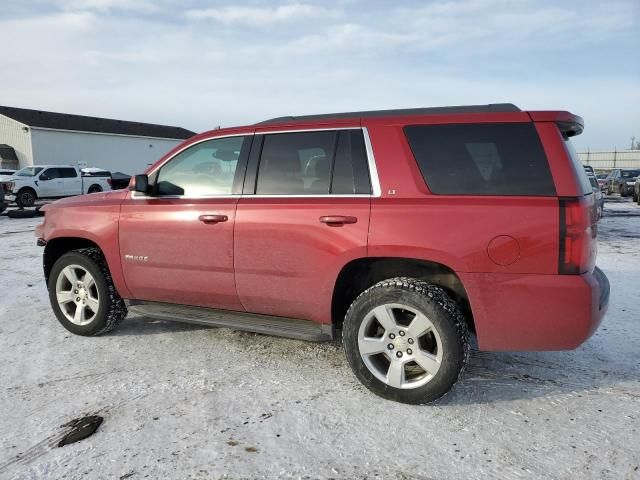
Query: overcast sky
{"type": "Point", "coordinates": [201, 64]}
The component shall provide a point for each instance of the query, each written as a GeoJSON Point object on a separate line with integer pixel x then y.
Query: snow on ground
{"type": "Point", "coordinates": [184, 401]}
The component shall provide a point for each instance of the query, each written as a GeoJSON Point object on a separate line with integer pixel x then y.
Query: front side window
{"type": "Point", "coordinates": [51, 174]}
{"type": "Point", "coordinates": [207, 168]}
{"type": "Point", "coordinates": [482, 159]}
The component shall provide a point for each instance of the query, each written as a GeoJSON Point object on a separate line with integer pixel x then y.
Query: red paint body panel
{"type": "Point", "coordinates": [189, 262]}
{"type": "Point", "coordinates": [274, 256]}
{"type": "Point", "coordinates": [456, 231]}
{"type": "Point", "coordinates": [92, 217]}
{"type": "Point", "coordinates": [533, 312]}
{"type": "Point", "coordinates": [287, 261]}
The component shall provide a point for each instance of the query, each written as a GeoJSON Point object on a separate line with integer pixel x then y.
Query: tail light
{"type": "Point", "coordinates": [110, 182]}
{"type": "Point", "coordinates": [578, 232]}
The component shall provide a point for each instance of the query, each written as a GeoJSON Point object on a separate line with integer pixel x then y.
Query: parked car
{"type": "Point", "coordinates": [3, 204]}
{"type": "Point", "coordinates": [6, 172]}
{"type": "Point", "coordinates": [598, 194]}
{"type": "Point", "coordinates": [602, 181]}
{"type": "Point", "coordinates": [622, 181]}
{"type": "Point", "coordinates": [54, 181]}
{"type": "Point", "coordinates": [636, 191]}
{"type": "Point", "coordinates": [588, 169]}
{"type": "Point", "coordinates": [399, 231]}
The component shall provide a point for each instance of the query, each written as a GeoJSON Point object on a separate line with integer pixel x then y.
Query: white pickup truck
{"type": "Point", "coordinates": [54, 181]}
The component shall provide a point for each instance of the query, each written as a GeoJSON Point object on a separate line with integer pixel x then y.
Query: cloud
{"type": "Point", "coordinates": [260, 16]}
{"type": "Point", "coordinates": [147, 6]}
{"type": "Point", "coordinates": [199, 67]}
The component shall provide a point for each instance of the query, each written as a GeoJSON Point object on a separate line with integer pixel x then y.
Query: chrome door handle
{"type": "Point", "coordinates": [338, 219]}
{"type": "Point", "coordinates": [213, 218]}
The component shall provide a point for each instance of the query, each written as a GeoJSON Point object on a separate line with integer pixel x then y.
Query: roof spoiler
{"type": "Point", "coordinates": [568, 123]}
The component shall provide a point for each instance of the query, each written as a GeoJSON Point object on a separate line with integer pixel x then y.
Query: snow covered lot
{"type": "Point", "coordinates": [184, 401]}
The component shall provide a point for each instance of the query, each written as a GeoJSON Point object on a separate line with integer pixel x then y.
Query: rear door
{"type": "Point", "coordinates": [72, 181]}
{"type": "Point", "coordinates": [304, 214]}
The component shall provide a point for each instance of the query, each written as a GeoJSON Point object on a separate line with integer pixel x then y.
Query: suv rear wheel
{"type": "Point", "coordinates": [406, 340]}
{"type": "Point", "coordinates": [82, 294]}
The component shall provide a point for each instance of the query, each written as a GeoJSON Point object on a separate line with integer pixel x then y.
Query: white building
{"type": "Point", "coordinates": [31, 137]}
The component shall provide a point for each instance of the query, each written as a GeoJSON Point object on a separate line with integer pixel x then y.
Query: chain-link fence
{"type": "Point", "coordinates": [610, 160]}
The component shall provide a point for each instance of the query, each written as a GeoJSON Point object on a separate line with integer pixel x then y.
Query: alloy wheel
{"type": "Point", "coordinates": [400, 346]}
{"type": "Point", "coordinates": [77, 295]}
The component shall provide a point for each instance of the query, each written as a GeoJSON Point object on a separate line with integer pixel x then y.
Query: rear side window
{"type": "Point", "coordinates": [481, 159]}
{"type": "Point", "coordinates": [350, 170]}
{"type": "Point", "coordinates": [313, 163]}
{"type": "Point", "coordinates": [580, 172]}
{"type": "Point", "coordinates": [68, 172]}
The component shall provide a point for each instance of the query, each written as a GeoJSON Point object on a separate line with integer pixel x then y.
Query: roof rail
{"type": "Point", "coordinates": [490, 108]}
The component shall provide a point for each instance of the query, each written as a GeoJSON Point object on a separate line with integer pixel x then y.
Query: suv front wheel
{"type": "Point", "coordinates": [82, 293]}
{"type": "Point", "coordinates": [406, 340]}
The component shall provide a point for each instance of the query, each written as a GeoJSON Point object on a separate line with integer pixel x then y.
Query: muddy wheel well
{"type": "Point", "coordinates": [358, 275]}
{"type": "Point", "coordinates": [59, 246]}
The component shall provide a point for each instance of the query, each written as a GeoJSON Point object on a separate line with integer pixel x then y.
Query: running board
{"type": "Point", "coordinates": [250, 322]}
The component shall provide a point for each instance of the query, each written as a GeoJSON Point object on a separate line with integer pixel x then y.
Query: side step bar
{"type": "Point", "coordinates": [250, 322]}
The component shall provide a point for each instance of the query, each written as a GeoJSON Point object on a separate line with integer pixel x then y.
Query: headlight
{"type": "Point", "coordinates": [631, 183]}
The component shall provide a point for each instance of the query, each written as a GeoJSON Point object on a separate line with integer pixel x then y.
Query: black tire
{"type": "Point", "coordinates": [21, 213]}
{"type": "Point", "coordinates": [94, 189]}
{"type": "Point", "coordinates": [26, 197]}
{"type": "Point", "coordinates": [111, 310]}
{"type": "Point", "coordinates": [443, 313]}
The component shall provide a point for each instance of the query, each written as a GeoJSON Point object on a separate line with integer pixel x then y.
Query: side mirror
{"type": "Point", "coordinates": [45, 177]}
{"type": "Point", "coordinates": [140, 184]}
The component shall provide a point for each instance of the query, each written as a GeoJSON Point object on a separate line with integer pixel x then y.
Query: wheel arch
{"type": "Point", "coordinates": [57, 247]}
{"type": "Point", "coordinates": [360, 274]}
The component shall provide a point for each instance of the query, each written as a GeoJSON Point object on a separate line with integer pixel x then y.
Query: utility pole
{"type": "Point", "coordinates": [633, 142]}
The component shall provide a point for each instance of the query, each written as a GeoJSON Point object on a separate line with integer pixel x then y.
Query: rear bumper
{"type": "Point", "coordinates": [521, 312]}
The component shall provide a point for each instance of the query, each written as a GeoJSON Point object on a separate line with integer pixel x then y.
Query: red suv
{"type": "Point", "coordinates": [399, 231]}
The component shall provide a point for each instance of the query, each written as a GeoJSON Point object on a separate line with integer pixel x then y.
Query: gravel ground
{"type": "Point", "coordinates": [183, 401]}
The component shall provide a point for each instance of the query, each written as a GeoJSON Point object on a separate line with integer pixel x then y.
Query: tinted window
{"type": "Point", "coordinates": [296, 163]}
{"type": "Point", "coordinates": [51, 173]}
{"type": "Point", "coordinates": [208, 168]}
{"type": "Point", "coordinates": [630, 173]}
{"type": "Point", "coordinates": [68, 172]}
{"type": "Point", "coordinates": [482, 159]}
{"type": "Point", "coordinates": [350, 171]}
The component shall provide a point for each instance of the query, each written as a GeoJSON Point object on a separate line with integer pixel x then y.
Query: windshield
{"type": "Point", "coordinates": [630, 173]}
{"type": "Point", "coordinates": [28, 172]}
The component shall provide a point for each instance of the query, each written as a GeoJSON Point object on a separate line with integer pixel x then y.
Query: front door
{"type": "Point", "coordinates": [176, 243]}
{"type": "Point", "coordinates": [302, 218]}
{"type": "Point", "coordinates": [50, 183]}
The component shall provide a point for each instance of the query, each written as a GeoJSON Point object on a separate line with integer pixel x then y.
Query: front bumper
{"type": "Point", "coordinates": [530, 312]}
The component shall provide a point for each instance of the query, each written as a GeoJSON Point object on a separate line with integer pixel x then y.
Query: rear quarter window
{"type": "Point", "coordinates": [481, 159]}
